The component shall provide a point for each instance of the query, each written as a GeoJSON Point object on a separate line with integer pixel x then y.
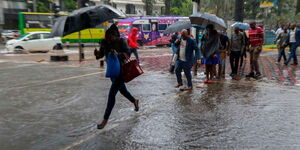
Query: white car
{"type": "Point", "coordinates": [33, 42]}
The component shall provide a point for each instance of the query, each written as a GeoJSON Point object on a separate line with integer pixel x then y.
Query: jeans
{"type": "Point", "coordinates": [281, 53]}
{"type": "Point", "coordinates": [135, 53]}
{"type": "Point", "coordinates": [186, 67]}
{"type": "Point", "coordinates": [117, 85]}
{"type": "Point", "coordinates": [293, 48]}
{"type": "Point", "coordinates": [234, 61]}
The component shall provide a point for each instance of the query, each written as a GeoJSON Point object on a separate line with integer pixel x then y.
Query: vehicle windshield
{"type": "Point", "coordinates": [22, 36]}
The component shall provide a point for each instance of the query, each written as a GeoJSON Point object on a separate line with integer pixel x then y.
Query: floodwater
{"type": "Point", "coordinates": [57, 107]}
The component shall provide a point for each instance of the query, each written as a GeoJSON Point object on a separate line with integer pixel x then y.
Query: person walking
{"type": "Point", "coordinates": [293, 41]}
{"type": "Point", "coordinates": [114, 44]}
{"type": "Point", "coordinates": [225, 43]}
{"type": "Point", "coordinates": [246, 47]}
{"type": "Point", "coordinates": [132, 40]}
{"type": "Point", "coordinates": [256, 39]}
{"type": "Point", "coordinates": [174, 48]}
{"type": "Point", "coordinates": [237, 46]}
{"type": "Point", "coordinates": [210, 50]}
{"type": "Point", "coordinates": [281, 39]}
{"type": "Point", "coordinates": [187, 51]}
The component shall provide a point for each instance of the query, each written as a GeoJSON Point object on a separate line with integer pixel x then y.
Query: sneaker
{"type": "Point", "coordinates": [250, 75]}
{"type": "Point", "coordinates": [178, 85]}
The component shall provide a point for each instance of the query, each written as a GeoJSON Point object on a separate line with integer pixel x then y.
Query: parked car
{"type": "Point", "coordinates": [33, 42]}
{"type": "Point", "coordinates": [10, 34]}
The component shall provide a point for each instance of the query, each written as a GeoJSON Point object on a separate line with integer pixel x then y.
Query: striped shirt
{"type": "Point", "coordinates": [256, 36]}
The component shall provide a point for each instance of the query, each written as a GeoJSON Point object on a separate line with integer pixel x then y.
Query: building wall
{"type": "Point", "coordinates": [10, 9]}
{"type": "Point", "coordinates": [139, 6]}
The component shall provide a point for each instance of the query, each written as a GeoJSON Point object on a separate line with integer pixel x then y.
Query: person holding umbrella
{"type": "Point", "coordinates": [114, 44]}
{"type": "Point", "coordinates": [210, 50]}
{"type": "Point", "coordinates": [236, 49]}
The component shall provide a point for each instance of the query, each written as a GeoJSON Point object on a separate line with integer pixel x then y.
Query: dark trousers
{"type": "Point", "coordinates": [281, 53]}
{"type": "Point", "coordinates": [293, 48]}
{"type": "Point", "coordinates": [135, 53]}
{"type": "Point", "coordinates": [234, 61]}
{"type": "Point", "coordinates": [117, 85]}
{"type": "Point", "coordinates": [186, 67]}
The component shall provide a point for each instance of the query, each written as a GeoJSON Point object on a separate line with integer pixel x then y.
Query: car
{"type": "Point", "coordinates": [33, 42]}
{"type": "Point", "coordinates": [10, 34]}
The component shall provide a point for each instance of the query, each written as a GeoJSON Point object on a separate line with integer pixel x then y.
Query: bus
{"type": "Point", "coordinates": [150, 29]}
{"type": "Point", "coordinates": [31, 22]}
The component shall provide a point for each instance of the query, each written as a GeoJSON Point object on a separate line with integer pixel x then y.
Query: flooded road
{"type": "Point", "coordinates": [45, 106]}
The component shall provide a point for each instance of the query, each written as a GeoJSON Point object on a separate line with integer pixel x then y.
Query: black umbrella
{"type": "Point", "coordinates": [84, 18]}
{"type": "Point", "coordinates": [203, 19]}
{"type": "Point", "coordinates": [178, 26]}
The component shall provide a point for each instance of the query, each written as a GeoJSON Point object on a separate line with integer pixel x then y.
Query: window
{"type": "Point", "coordinates": [162, 27]}
{"type": "Point", "coordinates": [130, 9]}
{"type": "Point", "coordinates": [136, 26]}
{"type": "Point", "coordinates": [34, 37]}
{"type": "Point", "coordinates": [46, 36]}
{"type": "Point", "coordinates": [146, 27]}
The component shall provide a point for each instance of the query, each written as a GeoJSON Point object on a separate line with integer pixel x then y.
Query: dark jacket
{"type": "Point", "coordinates": [191, 47]}
{"type": "Point", "coordinates": [297, 36]}
{"type": "Point", "coordinates": [120, 45]}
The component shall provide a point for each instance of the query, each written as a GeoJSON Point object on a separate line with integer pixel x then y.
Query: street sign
{"type": "Point", "coordinates": [268, 3]}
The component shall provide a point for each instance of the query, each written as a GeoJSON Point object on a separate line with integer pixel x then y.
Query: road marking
{"type": "Point", "coordinates": [54, 81]}
{"type": "Point", "coordinates": [118, 123]}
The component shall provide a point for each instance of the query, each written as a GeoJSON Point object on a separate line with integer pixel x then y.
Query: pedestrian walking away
{"type": "Point", "coordinates": [256, 39]}
{"type": "Point", "coordinates": [116, 45]}
{"type": "Point", "coordinates": [187, 51]}
{"type": "Point", "coordinates": [237, 46]}
{"type": "Point", "coordinates": [225, 43]}
{"type": "Point", "coordinates": [174, 48]}
{"type": "Point", "coordinates": [132, 40]}
{"type": "Point", "coordinates": [281, 44]}
{"type": "Point", "coordinates": [210, 50]}
{"type": "Point", "coordinates": [293, 41]}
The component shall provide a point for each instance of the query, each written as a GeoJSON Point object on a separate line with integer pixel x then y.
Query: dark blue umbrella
{"type": "Point", "coordinates": [204, 19]}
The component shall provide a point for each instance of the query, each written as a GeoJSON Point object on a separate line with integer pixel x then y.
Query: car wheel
{"type": "Point", "coordinates": [19, 48]}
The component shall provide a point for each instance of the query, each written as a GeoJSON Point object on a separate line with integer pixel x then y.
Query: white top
{"type": "Point", "coordinates": [280, 30]}
{"type": "Point", "coordinates": [293, 36]}
{"type": "Point", "coordinates": [182, 50]}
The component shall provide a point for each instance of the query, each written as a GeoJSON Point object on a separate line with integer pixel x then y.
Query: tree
{"type": "Point", "coordinates": [181, 7]}
{"type": "Point", "coordinates": [239, 10]}
{"type": "Point", "coordinates": [149, 6]}
{"type": "Point", "coordinates": [298, 7]}
{"type": "Point", "coordinates": [168, 7]}
{"type": "Point", "coordinates": [70, 5]}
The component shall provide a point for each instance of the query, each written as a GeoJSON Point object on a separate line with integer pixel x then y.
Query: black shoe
{"type": "Point", "coordinates": [257, 75]}
{"type": "Point", "coordinates": [295, 64]}
{"type": "Point", "coordinates": [102, 125]}
{"type": "Point", "coordinates": [250, 75]}
{"type": "Point", "coordinates": [136, 105]}
{"type": "Point", "coordinates": [285, 63]}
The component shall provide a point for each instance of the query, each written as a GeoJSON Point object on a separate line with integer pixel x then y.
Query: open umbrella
{"type": "Point", "coordinates": [178, 26]}
{"type": "Point", "coordinates": [84, 18]}
{"type": "Point", "coordinates": [241, 25]}
{"type": "Point", "coordinates": [204, 19]}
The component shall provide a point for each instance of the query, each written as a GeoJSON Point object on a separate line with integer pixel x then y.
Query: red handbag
{"type": "Point", "coordinates": [130, 70]}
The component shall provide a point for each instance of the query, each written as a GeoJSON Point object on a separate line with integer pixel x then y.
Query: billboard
{"type": "Point", "coordinates": [267, 3]}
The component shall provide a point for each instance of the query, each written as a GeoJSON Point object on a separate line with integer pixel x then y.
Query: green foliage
{"type": "Point", "coordinates": [70, 5]}
{"type": "Point", "coordinates": [181, 7]}
{"type": "Point", "coordinates": [43, 6]}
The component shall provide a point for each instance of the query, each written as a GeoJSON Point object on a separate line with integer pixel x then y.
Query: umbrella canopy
{"type": "Point", "coordinates": [204, 19]}
{"type": "Point", "coordinates": [241, 25]}
{"type": "Point", "coordinates": [178, 26]}
{"type": "Point", "coordinates": [84, 18]}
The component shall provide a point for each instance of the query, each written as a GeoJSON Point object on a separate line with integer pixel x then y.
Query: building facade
{"type": "Point", "coordinates": [133, 7]}
{"type": "Point", "coordinates": [9, 13]}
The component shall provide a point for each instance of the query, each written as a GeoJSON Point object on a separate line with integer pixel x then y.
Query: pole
{"type": "Point", "coordinates": [34, 5]}
{"type": "Point", "coordinates": [79, 34]}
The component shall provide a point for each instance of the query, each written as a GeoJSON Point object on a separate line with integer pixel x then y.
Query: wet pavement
{"type": "Point", "coordinates": [49, 105]}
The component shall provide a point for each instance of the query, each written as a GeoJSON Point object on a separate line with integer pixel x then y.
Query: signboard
{"type": "Point", "coordinates": [268, 3]}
